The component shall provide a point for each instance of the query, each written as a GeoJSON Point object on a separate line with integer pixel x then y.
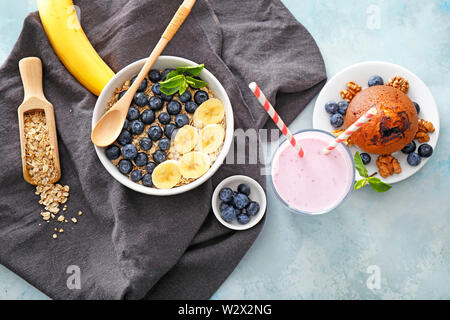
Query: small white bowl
{"type": "Point", "coordinates": [257, 194]}
{"type": "Point", "coordinates": [163, 62]}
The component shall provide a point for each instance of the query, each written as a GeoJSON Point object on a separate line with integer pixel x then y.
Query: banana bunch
{"type": "Point", "coordinates": [71, 45]}
{"type": "Point", "coordinates": [194, 146]}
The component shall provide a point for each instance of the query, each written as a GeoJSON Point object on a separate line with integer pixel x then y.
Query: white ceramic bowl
{"type": "Point", "coordinates": [163, 62]}
{"type": "Point", "coordinates": [257, 194]}
{"type": "Point", "coordinates": [360, 73]}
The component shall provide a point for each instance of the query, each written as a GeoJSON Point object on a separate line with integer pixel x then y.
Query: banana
{"type": "Point", "coordinates": [194, 164]}
{"type": "Point", "coordinates": [71, 45]}
{"type": "Point", "coordinates": [212, 138]}
{"type": "Point", "coordinates": [166, 175]}
{"type": "Point", "coordinates": [185, 140]}
{"type": "Point", "coordinates": [211, 111]}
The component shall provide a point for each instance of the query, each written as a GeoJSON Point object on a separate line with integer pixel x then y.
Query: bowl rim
{"type": "Point", "coordinates": [308, 213]}
{"type": "Point", "coordinates": [229, 130]}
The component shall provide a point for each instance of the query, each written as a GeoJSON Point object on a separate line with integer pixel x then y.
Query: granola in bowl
{"type": "Point", "coordinates": [169, 139]}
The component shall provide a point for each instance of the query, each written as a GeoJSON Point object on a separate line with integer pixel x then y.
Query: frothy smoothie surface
{"type": "Point", "coordinates": [316, 182]}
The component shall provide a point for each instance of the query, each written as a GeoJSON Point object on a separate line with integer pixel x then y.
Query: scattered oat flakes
{"type": "Point", "coordinates": [80, 213]}
{"type": "Point", "coordinates": [55, 236]}
{"type": "Point", "coordinates": [74, 220]}
{"type": "Point", "coordinates": [60, 218]}
{"type": "Point", "coordinates": [61, 230]}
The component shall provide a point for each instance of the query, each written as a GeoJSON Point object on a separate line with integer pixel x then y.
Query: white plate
{"type": "Point", "coordinates": [360, 73]}
{"type": "Point", "coordinates": [256, 194]}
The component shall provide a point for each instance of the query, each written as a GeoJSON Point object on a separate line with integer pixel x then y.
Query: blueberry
{"type": "Point", "coordinates": [240, 201]}
{"type": "Point", "coordinates": [148, 116]}
{"type": "Point", "coordinates": [337, 120]}
{"type": "Point", "coordinates": [365, 157]}
{"type": "Point", "coordinates": [140, 99]}
{"type": "Point", "coordinates": [417, 107]}
{"type": "Point", "coordinates": [154, 75]}
{"type": "Point", "coordinates": [410, 147]}
{"type": "Point", "coordinates": [136, 127]}
{"type": "Point", "coordinates": [145, 144]}
{"type": "Point", "coordinates": [181, 120]}
{"type": "Point", "coordinates": [141, 159]}
{"type": "Point", "coordinates": [169, 129]}
{"type": "Point", "coordinates": [165, 97]}
{"type": "Point", "coordinates": [136, 175]}
{"type": "Point", "coordinates": [124, 138]}
{"type": "Point", "coordinates": [150, 167]}
{"type": "Point", "coordinates": [243, 219]}
{"type": "Point", "coordinates": [414, 159]}
{"type": "Point", "coordinates": [164, 144]}
{"type": "Point", "coordinates": [125, 124]}
{"type": "Point", "coordinates": [200, 97]}
{"type": "Point", "coordinates": [147, 180]}
{"type": "Point", "coordinates": [244, 188]}
{"type": "Point", "coordinates": [342, 107]}
{"type": "Point", "coordinates": [159, 156]}
{"type": "Point", "coordinates": [186, 96]}
{"type": "Point", "coordinates": [226, 195]}
{"type": "Point", "coordinates": [164, 118]}
{"type": "Point", "coordinates": [122, 94]}
{"type": "Point", "coordinates": [156, 89]}
{"type": "Point", "coordinates": [228, 214]}
{"type": "Point", "coordinates": [331, 107]}
{"type": "Point", "coordinates": [133, 114]}
{"type": "Point", "coordinates": [375, 81]}
{"type": "Point", "coordinates": [125, 166]}
{"type": "Point", "coordinates": [425, 150]}
{"type": "Point", "coordinates": [190, 106]}
{"type": "Point", "coordinates": [155, 103]}
{"type": "Point", "coordinates": [129, 151]}
{"type": "Point", "coordinates": [252, 208]}
{"type": "Point", "coordinates": [112, 152]}
{"type": "Point", "coordinates": [223, 206]}
{"type": "Point", "coordinates": [165, 73]}
{"type": "Point", "coordinates": [173, 107]}
{"type": "Point", "coordinates": [154, 133]}
{"type": "Point", "coordinates": [142, 86]}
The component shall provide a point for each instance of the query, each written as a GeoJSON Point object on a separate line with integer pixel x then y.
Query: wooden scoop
{"type": "Point", "coordinates": [108, 128]}
{"type": "Point", "coordinates": [34, 100]}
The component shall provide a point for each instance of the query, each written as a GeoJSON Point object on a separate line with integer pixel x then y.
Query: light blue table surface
{"type": "Point", "coordinates": [404, 235]}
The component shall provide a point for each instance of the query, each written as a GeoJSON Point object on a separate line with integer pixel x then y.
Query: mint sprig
{"type": "Point", "coordinates": [375, 183]}
{"type": "Point", "coordinates": [180, 79]}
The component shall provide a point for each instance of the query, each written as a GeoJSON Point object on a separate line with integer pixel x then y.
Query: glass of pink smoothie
{"type": "Point", "coordinates": [316, 183]}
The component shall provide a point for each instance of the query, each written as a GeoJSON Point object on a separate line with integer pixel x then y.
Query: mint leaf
{"type": "Point", "coordinates": [174, 82]}
{"type": "Point", "coordinates": [360, 183]}
{"type": "Point", "coordinates": [359, 165]}
{"type": "Point", "coordinates": [179, 80]}
{"type": "Point", "coordinates": [172, 74]}
{"type": "Point", "coordinates": [378, 185]}
{"type": "Point", "coordinates": [169, 91]}
{"type": "Point", "coordinates": [193, 70]}
{"type": "Point", "coordinates": [195, 83]}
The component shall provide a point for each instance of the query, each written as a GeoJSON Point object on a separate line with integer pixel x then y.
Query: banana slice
{"type": "Point", "coordinates": [194, 164]}
{"type": "Point", "coordinates": [186, 139]}
{"type": "Point", "coordinates": [212, 138]}
{"type": "Point", "coordinates": [211, 111]}
{"type": "Point", "coordinates": [166, 175]}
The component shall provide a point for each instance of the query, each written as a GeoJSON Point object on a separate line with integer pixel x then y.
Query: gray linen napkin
{"type": "Point", "coordinates": [129, 245]}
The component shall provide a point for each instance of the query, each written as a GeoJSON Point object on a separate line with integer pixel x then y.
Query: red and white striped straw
{"type": "Point", "coordinates": [354, 127]}
{"type": "Point", "coordinates": [275, 117]}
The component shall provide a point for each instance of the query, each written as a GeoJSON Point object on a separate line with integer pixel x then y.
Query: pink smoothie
{"type": "Point", "coordinates": [315, 183]}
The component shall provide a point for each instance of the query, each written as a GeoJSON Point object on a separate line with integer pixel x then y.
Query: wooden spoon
{"type": "Point", "coordinates": [108, 128]}
{"type": "Point", "coordinates": [34, 100]}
